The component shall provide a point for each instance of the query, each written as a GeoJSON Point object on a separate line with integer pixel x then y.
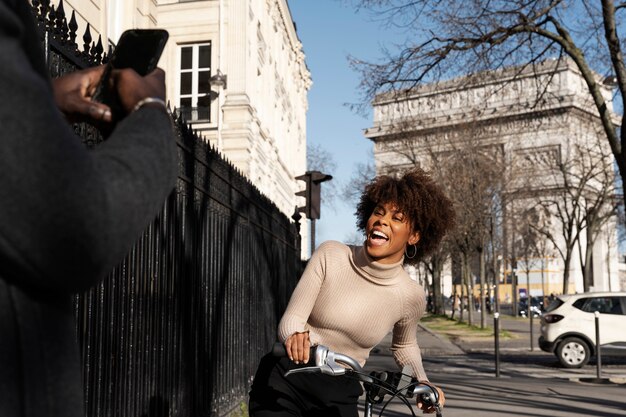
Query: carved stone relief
{"type": "Point", "coordinates": [532, 160]}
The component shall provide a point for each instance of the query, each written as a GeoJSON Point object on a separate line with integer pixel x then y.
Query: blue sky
{"type": "Point", "coordinates": [330, 30]}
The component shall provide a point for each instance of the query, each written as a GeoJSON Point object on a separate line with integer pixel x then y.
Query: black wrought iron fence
{"type": "Point", "coordinates": [180, 325]}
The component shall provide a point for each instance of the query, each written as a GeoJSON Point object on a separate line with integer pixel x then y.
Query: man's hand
{"type": "Point", "coordinates": [298, 347]}
{"type": "Point", "coordinates": [132, 88]}
{"type": "Point", "coordinates": [73, 92]}
{"type": "Point", "coordinates": [427, 409]}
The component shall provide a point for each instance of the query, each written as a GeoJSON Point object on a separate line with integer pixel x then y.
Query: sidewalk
{"type": "Point", "coordinates": [530, 383]}
{"type": "Point", "coordinates": [519, 328]}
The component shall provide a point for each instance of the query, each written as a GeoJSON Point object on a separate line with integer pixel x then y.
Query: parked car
{"type": "Point", "coordinates": [536, 306]}
{"type": "Point", "coordinates": [568, 326]}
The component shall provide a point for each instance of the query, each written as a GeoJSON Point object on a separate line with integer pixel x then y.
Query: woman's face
{"type": "Point", "coordinates": [388, 233]}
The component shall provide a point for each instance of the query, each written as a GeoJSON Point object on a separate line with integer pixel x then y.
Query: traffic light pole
{"type": "Point", "coordinates": [312, 235]}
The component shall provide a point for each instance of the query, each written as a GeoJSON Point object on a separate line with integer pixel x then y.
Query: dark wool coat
{"type": "Point", "coordinates": [67, 216]}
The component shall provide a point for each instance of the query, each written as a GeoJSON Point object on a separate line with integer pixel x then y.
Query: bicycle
{"type": "Point", "coordinates": [376, 384]}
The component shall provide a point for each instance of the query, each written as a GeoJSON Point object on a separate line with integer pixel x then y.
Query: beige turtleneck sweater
{"type": "Point", "coordinates": [349, 303]}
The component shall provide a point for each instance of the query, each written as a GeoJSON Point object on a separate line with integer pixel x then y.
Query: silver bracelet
{"type": "Point", "coordinates": [148, 100]}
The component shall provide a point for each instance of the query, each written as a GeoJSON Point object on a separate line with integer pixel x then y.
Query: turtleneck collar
{"type": "Point", "coordinates": [381, 274]}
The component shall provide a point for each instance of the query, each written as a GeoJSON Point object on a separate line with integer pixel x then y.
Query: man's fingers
{"type": "Point", "coordinates": [131, 87]}
{"type": "Point", "coordinates": [158, 74]}
{"type": "Point", "coordinates": [102, 113]}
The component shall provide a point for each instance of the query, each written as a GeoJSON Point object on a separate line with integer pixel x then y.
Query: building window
{"type": "Point", "coordinates": [195, 91]}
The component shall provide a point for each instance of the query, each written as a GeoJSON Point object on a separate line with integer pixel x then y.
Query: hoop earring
{"type": "Point", "coordinates": [406, 252]}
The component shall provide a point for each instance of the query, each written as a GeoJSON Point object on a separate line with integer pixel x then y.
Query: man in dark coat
{"type": "Point", "coordinates": [67, 215]}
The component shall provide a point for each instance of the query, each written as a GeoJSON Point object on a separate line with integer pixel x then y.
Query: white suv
{"type": "Point", "coordinates": [568, 326]}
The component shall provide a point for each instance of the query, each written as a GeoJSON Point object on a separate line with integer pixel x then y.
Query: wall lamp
{"type": "Point", "coordinates": [218, 80]}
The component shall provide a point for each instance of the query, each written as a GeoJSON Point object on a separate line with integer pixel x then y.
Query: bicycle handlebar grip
{"type": "Point", "coordinates": [279, 350]}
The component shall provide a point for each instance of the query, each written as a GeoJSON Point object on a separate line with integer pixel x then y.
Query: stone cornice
{"type": "Point", "coordinates": [454, 103]}
{"type": "Point", "coordinates": [294, 41]}
{"type": "Point", "coordinates": [422, 127]}
{"type": "Point", "coordinates": [481, 79]}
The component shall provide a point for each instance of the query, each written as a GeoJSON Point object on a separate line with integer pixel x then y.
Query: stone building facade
{"type": "Point", "coordinates": [254, 112]}
{"type": "Point", "coordinates": [535, 119]}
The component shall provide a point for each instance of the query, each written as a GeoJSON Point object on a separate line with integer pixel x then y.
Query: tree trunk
{"type": "Point", "coordinates": [588, 268]}
{"type": "Point", "coordinates": [462, 300]}
{"type": "Point", "coordinates": [468, 290]}
{"type": "Point", "coordinates": [437, 293]}
{"type": "Point", "coordinates": [514, 291]}
{"type": "Point", "coordinates": [496, 284]}
{"type": "Point", "coordinates": [528, 299]}
{"type": "Point", "coordinates": [483, 293]}
{"type": "Point", "coordinates": [608, 259]}
{"type": "Point", "coordinates": [543, 280]}
{"type": "Point", "coordinates": [568, 259]}
{"type": "Point", "coordinates": [454, 302]}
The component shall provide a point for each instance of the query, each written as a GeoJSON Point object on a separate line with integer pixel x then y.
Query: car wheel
{"type": "Point", "coordinates": [573, 353]}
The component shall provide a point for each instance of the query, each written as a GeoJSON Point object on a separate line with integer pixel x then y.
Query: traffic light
{"type": "Point", "coordinates": [311, 193]}
{"type": "Point", "coordinates": [306, 209]}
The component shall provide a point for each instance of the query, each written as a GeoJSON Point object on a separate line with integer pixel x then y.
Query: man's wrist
{"type": "Point", "coordinates": [153, 102]}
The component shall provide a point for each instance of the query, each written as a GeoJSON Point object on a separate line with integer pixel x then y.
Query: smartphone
{"type": "Point", "coordinates": [139, 49]}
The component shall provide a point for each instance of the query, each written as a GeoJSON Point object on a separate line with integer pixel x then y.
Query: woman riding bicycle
{"type": "Point", "coordinates": [350, 297]}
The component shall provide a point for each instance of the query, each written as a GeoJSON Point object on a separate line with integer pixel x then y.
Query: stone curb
{"type": "Point", "coordinates": [445, 346]}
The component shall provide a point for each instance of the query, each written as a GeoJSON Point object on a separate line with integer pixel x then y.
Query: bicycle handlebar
{"type": "Point", "coordinates": [328, 362]}
{"type": "Point", "coordinates": [279, 350]}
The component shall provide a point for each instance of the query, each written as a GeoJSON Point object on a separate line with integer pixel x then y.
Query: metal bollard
{"type": "Point", "coordinates": [496, 333]}
{"type": "Point", "coordinates": [532, 336]}
{"type": "Point", "coordinates": [598, 350]}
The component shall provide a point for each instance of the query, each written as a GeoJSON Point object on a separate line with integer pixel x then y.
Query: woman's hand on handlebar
{"type": "Point", "coordinates": [298, 347]}
{"type": "Point", "coordinates": [429, 408]}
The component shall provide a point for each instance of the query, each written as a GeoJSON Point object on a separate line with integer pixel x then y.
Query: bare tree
{"type": "Point", "coordinates": [435, 265]}
{"type": "Point", "coordinates": [471, 170]}
{"type": "Point", "coordinates": [496, 244]}
{"type": "Point", "coordinates": [450, 38]}
{"type": "Point", "coordinates": [568, 198]}
{"type": "Point", "coordinates": [472, 175]}
{"type": "Point", "coordinates": [542, 247]}
{"type": "Point", "coordinates": [598, 203]}
{"type": "Point", "coordinates": [528, 243]}
{"type": "Point", "coordinates": [319, 159]}
{"type": "Point", "coordinates": [363, 173]}
{"type": "Point", "coordinates": [354, 238]}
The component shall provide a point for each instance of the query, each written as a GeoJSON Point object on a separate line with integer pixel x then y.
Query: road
{"type": "Point", "coordinates": [530, 383]}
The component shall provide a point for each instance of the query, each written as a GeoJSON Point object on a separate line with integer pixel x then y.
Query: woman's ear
{"type": "Point", "coordinates": [414, 238]}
